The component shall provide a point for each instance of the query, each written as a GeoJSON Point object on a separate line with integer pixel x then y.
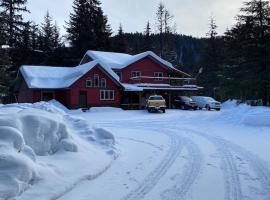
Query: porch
{"type": "Point", "coordinates": [137, 99]}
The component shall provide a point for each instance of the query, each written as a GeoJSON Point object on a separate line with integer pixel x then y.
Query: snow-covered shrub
{"type": "Point", "coordinates": [17, 163]}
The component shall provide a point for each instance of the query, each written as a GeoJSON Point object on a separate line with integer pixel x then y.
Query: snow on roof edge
{"type": "Point", "coordinates": [71, 77]}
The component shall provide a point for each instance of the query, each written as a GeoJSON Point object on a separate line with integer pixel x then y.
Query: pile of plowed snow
{"type": "Point", "coordinates": [30, 131]}
{"type": "Point", "coordinates": [245, 114]}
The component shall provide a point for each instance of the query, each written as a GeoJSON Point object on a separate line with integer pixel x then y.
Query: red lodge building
{"type": "Point", "coordinates": [105, 79]}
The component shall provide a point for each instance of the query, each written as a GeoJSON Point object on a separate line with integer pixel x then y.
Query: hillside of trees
{"type": "Point", "coordinates": [233, 65]}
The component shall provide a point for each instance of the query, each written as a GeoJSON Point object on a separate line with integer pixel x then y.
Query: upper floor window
{"type": "Point", "coordinates": [158, 76]}
{"type": "Point", "coordinates": [120, 75]}
{"type": "Point", "coordinates": [89, 82]}
{"type": "Point", "coordinates": [136, 74]}
{"type": "Point", "coordinates": [103, 83]}
{"type": "Point", "coordinates": [96, 80]}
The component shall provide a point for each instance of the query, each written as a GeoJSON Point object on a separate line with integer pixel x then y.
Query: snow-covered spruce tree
{"type": "Point", "coordinates": [87, 27]}
{"type": "Point", "coordinates": [13, 10]}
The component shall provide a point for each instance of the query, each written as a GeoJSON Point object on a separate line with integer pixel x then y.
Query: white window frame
{"type": "Point", "coordinates": [158, 77]}
{"type": "Point", "coordinates": [94, 84]}
{"type": "Point", "coordinates": [137, 74]}
{"type": "Point", "coordinates": [88, 80]}
{"type": "Point", "coordinates": [109, 97]}
{"type": "Point", "coordinates": [103, 80]}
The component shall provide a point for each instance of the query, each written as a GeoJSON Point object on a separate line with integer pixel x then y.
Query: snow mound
{"type": "Point", "coordinates": [245, 114]}
{"type": "Point", "coordinates": [92, 134]}
{"type": "Point", "coordinates": [17, 163]}
{"type": "Point", "coordinates": [46, 133]}
{"type": "Point", "coordinates": [104, 109]}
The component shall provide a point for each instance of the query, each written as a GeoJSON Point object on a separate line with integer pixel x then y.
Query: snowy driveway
{"type": "Point", "coordinates": [181, 155]}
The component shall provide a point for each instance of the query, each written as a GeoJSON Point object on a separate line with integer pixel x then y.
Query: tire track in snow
{"type": "Point", "coordinates": [184, 182]}
{"type": "Point", "coordinates": [189, 175]}
{"type": "Point", "coordinates": [150, 181]}
{"type": "Point", "coordinates": [260, 167]}
{"type": "Point", "coordinates": [231, 174]}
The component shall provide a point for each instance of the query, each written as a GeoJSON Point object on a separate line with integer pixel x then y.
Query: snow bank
{"type": "Point", "coordinates": [24, 133]}
{"type": "Point", "coordinates": [17, 163]}
{"type": "Point", "coordinates": [245, 114]}
{"type": "Point", "coordinates": [44, 132]}
{"type": "Point", "coordinates": [34, 143]}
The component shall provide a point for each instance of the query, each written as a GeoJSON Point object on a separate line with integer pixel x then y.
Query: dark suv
{"type": "Point", "coordinates": [184, 103]}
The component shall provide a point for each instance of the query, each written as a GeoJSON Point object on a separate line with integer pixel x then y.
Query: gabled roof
{"type": "Point", "coordinates": [47, 77]}
{"type": "Point", "coordinates": [121, 60]}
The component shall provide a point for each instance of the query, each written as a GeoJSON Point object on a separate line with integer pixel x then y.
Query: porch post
{"type": "Point", "coordinates": [170, 100]}
{"type": "Point", "coordinates": [140, 100]}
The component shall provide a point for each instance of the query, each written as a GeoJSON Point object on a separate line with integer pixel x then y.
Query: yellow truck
{"type": "Point", "coordinates": [156, 103]}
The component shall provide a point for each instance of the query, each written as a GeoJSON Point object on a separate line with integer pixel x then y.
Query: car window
{"type": "Point", "coordinates": [155, 98]}
{"type": "Point", "coordinates": [186, 98]}
{"type": "Point", "coordinates": [209, 99]}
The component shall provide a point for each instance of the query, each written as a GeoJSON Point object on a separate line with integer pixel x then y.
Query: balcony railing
{"type": "Point", "coordinates": [173, 81]}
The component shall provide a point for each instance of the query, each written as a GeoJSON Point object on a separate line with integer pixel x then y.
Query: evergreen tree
{"type": "Point", "coordinates": [88, 27]}
{"type": "Point", "coordinates": [247, 50]}
{"type": "Point", "coordinates": [5, 65]}
{"type": "Point", "coordinates": [103, 31]}
{"type": "Point", "coordinates": [210, 61]}
{"type": "Point", "coordinates": [147, 45]}
{"type": "Point", "coordinates": [120, 43]}
{"type": "Point", "coordinates": [13, 10]}
{"type": "Point", "coordinates": [2, 29]}
{"type": "Point", "coordinates": [49, 33]}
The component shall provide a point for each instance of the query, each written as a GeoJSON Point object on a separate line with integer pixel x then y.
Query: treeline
{"type": "Point", "coordinates": [234, 65]}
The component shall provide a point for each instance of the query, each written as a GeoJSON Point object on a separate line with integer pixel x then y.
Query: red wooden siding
{"type": "Point", "coordinates": [93, 94]}
{"type": "Point", "coordinates": [25, 95]}
{"type": "Point", "coordinates": [147, 67]}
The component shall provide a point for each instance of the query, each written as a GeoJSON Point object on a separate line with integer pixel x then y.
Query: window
{"type": "Point", "coordinates": [120, 75]}
{"type": "Point", "coordinates": [89, 82]}
{"type": "Point", "coordinates": [136, 74]}
{"type": "Point", "coordinates": [96, 80]}
{"type": "Point", "coordinates": [106, 94]}
{"type": "Point", "coordinates": [103, 83]}
{"type": "Point", "coordinates": [158, 76]}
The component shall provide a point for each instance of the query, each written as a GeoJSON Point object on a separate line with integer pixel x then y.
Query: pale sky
{"type": "Point", "coordinates": [191, 16]}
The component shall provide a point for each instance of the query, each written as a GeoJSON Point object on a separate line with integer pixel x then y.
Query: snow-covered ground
{"type": "Point", "coordinates": [122, 155]}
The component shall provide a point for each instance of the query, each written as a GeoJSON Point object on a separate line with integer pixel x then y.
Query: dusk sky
{"type": "Point", "coordinates": [191, 16]}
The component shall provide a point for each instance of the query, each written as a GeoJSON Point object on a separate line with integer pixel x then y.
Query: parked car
{"type": "Point", "coordinates": [206, 102]}
{"type": "Point", "coordinates": [184, 103]}
{"type": "Point", "coordinates": [156, 103]}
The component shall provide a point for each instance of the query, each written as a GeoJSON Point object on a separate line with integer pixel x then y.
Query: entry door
{"type": "Point", "coordinates": [83, 99]}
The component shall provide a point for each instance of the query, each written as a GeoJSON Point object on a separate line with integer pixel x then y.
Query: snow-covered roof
{"type": "Point", "coordinates": [121, 60]}
{"type": "Point", "coordinates": [59, 77]}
